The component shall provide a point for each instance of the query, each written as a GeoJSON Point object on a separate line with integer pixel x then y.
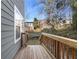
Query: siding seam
{"type": "Point", "coordinates": [9, 45]}
{"type": "Point", "coordinates": [8, 8]}
{"type": "Point", "coordinates": [10, 4]}
{"type": "Point", "coordinates": [6, 42]}
{"type": "Point", "coordinates": [7, 12]}
{"type": "Point", "coordinates": [7, 24]}
{"type": "Point", "coordinates": [7, 30]}
{"type": "Point", "coordinates": [7, 36]}
{"type": "Point", "coordinates": [7, 18]}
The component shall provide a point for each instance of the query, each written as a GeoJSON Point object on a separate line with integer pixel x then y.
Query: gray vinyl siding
{"type": "Point", "coordinates": [20, 5]}
{"type": "Point", "coordinates": [8, 47]}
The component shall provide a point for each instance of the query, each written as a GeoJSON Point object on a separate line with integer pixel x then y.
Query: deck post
{"type": "Point", "coordinates": [24, 37]}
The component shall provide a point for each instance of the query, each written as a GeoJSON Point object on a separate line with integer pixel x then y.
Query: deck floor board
{"type": "Point", "coordinates": [33, 52]}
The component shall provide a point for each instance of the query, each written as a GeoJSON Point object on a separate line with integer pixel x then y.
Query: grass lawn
{"type": "Point", "coordinates": [33, 39]}
{"type": "Point", "coordinates": [33, 42]}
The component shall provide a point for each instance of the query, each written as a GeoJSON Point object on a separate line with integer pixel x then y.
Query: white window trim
{"type": "Point", "coordinates": [16, 40]}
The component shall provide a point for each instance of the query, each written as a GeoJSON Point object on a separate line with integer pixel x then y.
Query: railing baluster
{"type": "Point", "coordinates": [54, 47]}
{"type": "Point", "coordinates": [67, 52]}
{"type": "Point", "coordinates": [73, 53]}
{"type": "Point", "coordinates": [62, 51]}
{"type": "Point", "coordinates": [57, 50]}
{"type": "Point", "coordinates": [59, 46]}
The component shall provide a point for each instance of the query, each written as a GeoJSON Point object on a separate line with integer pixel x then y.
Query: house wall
{"type": "Point", "coordinates": [8, 47]}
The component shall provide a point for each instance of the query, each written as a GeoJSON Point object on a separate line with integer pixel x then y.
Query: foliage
{"type": "Point", "coordinates": [60, 4]}
{"type": "Point", "coordinates": [48, 21]}
{"type": "Point", "coordinates": [74, 21]}
{"type": "Point", "coordinates": [35, 19]}
{"type": "Point", "coordinates": [47, 30]}
{"type": "Point", "coordinates": [70, 33]}
{"type": "Point", "coordinates": [36, 23]}
{"type": "Point", "coordinates": [64, 21]}
{"type": "Point", "coordinates": [66, 33]}
{"type": "Point", "coordinates": [73, 4]}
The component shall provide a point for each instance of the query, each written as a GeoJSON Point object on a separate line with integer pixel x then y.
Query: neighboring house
{"type": "Point", "coordinates": [10, 42]}
{"type": "Point", "coordinates": [29, 26]}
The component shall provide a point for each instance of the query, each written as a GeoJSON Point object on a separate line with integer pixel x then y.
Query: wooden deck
{"type": "Point", "coordinates": [48, 46]}
{"type": "Point", "coordinates": [33, 52]}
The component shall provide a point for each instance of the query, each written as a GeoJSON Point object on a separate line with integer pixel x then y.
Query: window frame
{"type": "Point", "coordinates": [16, 9]}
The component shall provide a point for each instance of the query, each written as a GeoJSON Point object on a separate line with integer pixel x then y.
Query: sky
{"type": "Point", "coordinates": [33, 9]}
{"type": "Point", "coordinates": [66, 12]}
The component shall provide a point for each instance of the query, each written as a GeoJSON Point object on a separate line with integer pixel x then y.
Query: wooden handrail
{"type": "Point", "coordinates": [60, 47]}
{"type": "Point", "coordinates": [67, 41]}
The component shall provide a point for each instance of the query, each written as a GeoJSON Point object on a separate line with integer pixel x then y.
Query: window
{"type": "Point", "coordinates": [17, 24]}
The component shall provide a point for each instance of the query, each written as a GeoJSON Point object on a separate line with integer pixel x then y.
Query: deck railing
{"type": "Point", "coordinates": [59, 47]}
